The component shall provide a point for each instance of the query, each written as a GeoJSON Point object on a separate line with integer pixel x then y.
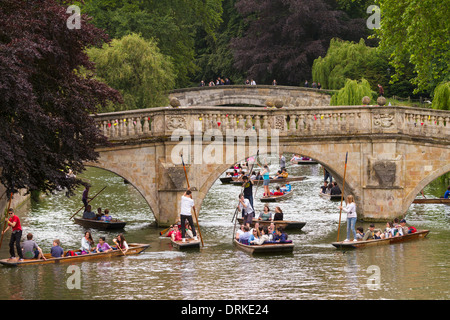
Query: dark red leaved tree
{"type": "Point", "coordinates": [284, 37]}
{"type": "Point", "coordinates": [45, 104]}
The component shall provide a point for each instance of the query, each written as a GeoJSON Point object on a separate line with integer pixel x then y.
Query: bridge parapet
{"type": "Point", "coordinates": [299, 122]}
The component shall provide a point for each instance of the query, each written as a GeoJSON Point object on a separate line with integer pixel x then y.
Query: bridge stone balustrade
{"type": "Point", "coordinates": [251, 95]}
{"type": "Point", "coordinates": [394, 152]}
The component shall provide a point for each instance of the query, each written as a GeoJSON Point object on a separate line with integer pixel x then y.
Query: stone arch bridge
{"type": "Point", "coordinates": [393, 152]}
{"type": "Point", "coordinates": [259, 95]}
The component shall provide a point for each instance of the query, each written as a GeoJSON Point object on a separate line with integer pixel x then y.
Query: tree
{"type": "Point", "coordinates": [285, 36]}
{"type": "Point", "coordinates": [418, 32]}
{"type": "Point", "coordinates": [45, 103]}
{"type": "Point", "coordinates": [352, 93]}
{"type": "Point", "coordinates": [136, 68]}
{"type": "Point", "coordinates": [441, 99]}
{"type": "Point", "coordinates": [172, 24]}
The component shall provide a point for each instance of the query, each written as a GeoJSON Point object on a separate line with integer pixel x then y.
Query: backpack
{"type": "Point", "coordinates": [412, 229]}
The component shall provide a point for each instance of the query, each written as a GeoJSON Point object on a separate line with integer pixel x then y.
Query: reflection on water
{"type": "Point", "coordinates": [316, 270]}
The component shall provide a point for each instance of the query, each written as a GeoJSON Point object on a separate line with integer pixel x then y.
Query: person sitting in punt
{"type": "Point", "coordinates": [56, 251]}
{"type": "Point", "coordinates": [121, 243]}
{"type": "Point", "coordinates": [99, 214]}
{"type": "Point", "coordinates": [278, 175]}
{"type": "Point", "coordinates": [335, 190]}
{"type": "Point", "coordinates": [103, 246]}
{"type": "Point", "coordinates": [278, 191]}
{"type": "Point", "coordinates": [253, 236]}
{"type": "Point", "coordinates": [263, 238]}
{"type": "Point", "coordinates": [278, 214]}
{"type": "Point", "coordinates": [31, 250]}
{"type": "Point", "coordinates": [88, 214]}
{"type": "Point", "coordinates": [359, 233]}
{"type": "Point", "coordinates": [87, 243]}
{"type": "Point", "coordinates": [175, 234]}
{"type": "Point", "coordinates": [266, 215]}
{"type": "Point", "coordinates": [284, 173]}
{"type": "Point", "coordinates": [406, 230]}
{"type": "Point", "coordinates": [189, 234]}
{"type": "Point", "coordinates": [286, 188]}
{"type": "Point", "coordinates": [387, 233]}
{"type": "Point", "coordinates": [239, 232]}
{"type": "Point", "coordinates": [370, 233]}
{"type": "Point", "coordinates": [106, 217]}
{"type": "Point", "coordinates": [280, 235]}
{"type": "Point", "coordinates": [271, 231]}
{"type": "Point", "coordinates": [243, 238]}
{"type": "Point", "coordinates": [323, 188]}
{"type": "Point", "coordinates": [295, 157]}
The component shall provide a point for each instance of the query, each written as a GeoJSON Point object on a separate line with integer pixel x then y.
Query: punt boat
{"type": "Point", "coordinates": [277, 198]}
{"type": "Point", "coordinates": [304, 162]}
{"type": "Point", "coordinates": [266, 248]}
{"type": "Point", "coordinates": [420, 234]}
{"type": "Point", "coordinates": [433, 200]}
{"type": "Point", "coordinates": [332, 197]}
{"type": "Point", "coordinates": [133, 248]}
{"type": "Point", "coordinates": [189, 244]}
{"type": "Point", "coordinates": [114, 224]}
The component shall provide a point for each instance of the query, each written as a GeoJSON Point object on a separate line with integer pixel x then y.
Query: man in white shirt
{"type": "Point", "coordinates": [185, 214]}
{"type": "Point", "coordinates": [244, 203]}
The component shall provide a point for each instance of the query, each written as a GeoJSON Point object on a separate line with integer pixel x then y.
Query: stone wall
{"type": "Point", "coordinates": [259, 95]}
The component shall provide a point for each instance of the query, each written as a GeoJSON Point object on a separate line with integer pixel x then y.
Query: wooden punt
{"type": "Point", "coordinates": [285, 224]}
{"type": "Point", "coordinates": [379, 242]}
{"type": "Point", "coordinates": [304, 162]}
{"type": "Point", "coordinates": [189, 244]}
{"type": "Point", "coordinates": [433, 200]}
{"type": "Point", "coordinates": [267, 248]}
{"type": "Point", "coordinates": [334, 197]}
{"type": "Point", "coordinates": [226, 180]}
{"type": "Point", "coordinates": [101, 225]}
{"type": "Point", "coordinates": [277, 198]}
{"type": "Point", "coordinates": [260, 182]}
{"type": "Point", "coordinates": [133, 248]}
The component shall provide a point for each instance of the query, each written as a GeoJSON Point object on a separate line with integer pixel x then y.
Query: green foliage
{"type": "Point", "coordinates": [417, 31]}
{"type": "Point", "coordinates": [441, 99]}
{"type": "Point", "coordinates": [173, 24]}
{"type": "Point", "coordinates": [214, 55]}
{"type": "Point", "coordinates": [137, 69]}
{"type": "Point", "coordinates": [348, 60]}
{"type": "Point", "coordinates": [352, 93]}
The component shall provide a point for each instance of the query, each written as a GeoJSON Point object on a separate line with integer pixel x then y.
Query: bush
{"type": "Point", "coordinates": [441, 99]}
{"type": "Point", "coordinates": [352, 93]}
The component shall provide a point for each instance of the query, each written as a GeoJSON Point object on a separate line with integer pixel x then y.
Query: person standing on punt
{"type": "Point", "coordinates": [16, 234]}
{"type": "Point", "coordinates": [266, 181]}
{"type": "Point", "coordinates": [350, 209]}
{"type": "Point", "coordinates": [187, 204]}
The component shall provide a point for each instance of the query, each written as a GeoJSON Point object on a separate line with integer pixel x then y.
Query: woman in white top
{"type": "Point", "coordinates": [87, 242]}
{"type": "Point", "coordinates": [350, 209]}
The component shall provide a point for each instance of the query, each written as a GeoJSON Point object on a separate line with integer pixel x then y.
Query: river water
{"type": "Point", "coordinates": [315, 270]}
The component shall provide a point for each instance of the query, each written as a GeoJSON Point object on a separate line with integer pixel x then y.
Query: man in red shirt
{"type": "Point", "coordinates": [16, 234]}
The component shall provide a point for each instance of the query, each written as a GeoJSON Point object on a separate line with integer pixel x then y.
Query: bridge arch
{"type": "Point", "coordinates": [258, 95]}
{"type": "Point", "coordinates": [423, 183]}
{"type": "Point", "coordinates": [132, 183]}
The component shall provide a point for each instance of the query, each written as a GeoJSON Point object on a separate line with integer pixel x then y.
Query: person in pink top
{"type": "Point", "coordinates": [14, 223]}
{"type": "Point", "coordinates": [176, 234]}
